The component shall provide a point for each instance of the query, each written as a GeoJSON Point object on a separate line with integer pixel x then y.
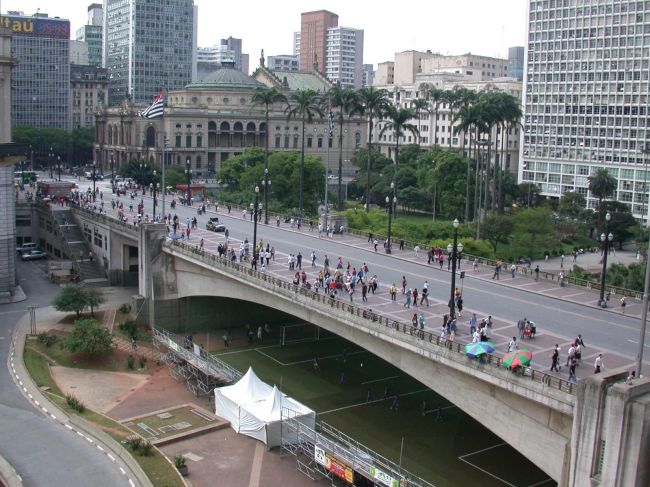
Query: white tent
{"type": "Point", "coordinates": [254, 408]}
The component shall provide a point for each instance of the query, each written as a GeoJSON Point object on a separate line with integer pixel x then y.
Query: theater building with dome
{"type": "Point", "coordinates": [213, 119]}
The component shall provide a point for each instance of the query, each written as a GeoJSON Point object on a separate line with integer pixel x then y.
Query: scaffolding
{"type": "Point", "coordinates": [306, 443]}
{"type": "Point", "coordinates": [201, 372]}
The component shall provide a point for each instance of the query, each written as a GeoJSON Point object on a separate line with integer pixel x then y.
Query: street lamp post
{"type": "Point", "coordinates": [266, 196]}
{"type": "Point", "coordinates": [257, 194]}
{"type": "Point", "coordinates": [94, 179]}
{"type": "Point", "coordinates": [188, 173]}
{"type": "Point", "coordinates": [606, 238]}
{"type": "Point", "coordinates": [50, 159]}
{"type": "Point", "coordinates": [389, 204]}
{"type": "Point", "coordinates": [58, 166]}
{"type": "Point", "coordinates": [113, 170]}
{"type": "Point", "coordinates": [153, 188]}
{"type": "Point", "coordinates": [454, 249]}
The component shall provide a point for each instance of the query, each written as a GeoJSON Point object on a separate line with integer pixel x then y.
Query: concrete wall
{"type": "Point", "coordinates": [535, 419]}
{"type": "Point", "coordinates": [611, 432]}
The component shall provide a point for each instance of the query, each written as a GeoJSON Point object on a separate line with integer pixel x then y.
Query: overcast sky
{"type": "Point", "coordinates": [486, 27]}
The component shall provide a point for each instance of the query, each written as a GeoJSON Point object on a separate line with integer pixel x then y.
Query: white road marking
{"type": "Point", "coordinates": [68, 426]}
{"type": "Point", "coordinates": [100, 448]}
{"type": "Point", "coordinates": [379, 380]}
{"type": "Point", "coordinates": [636, 342]}
{"type": "Point", "coordinates": [390, 398]}
{"type": "Point", "coordinates": [111, 457]}
{"type": "Point", "coordinates": [123, 471]}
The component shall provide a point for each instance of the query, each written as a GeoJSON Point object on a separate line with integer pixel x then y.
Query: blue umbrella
{"type": "Point", "coordinates": [479, 348]}
{"type": "Point", "coordinates": [174, 236]}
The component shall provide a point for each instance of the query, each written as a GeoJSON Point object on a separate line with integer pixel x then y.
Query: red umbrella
{"type": "Point", "coordinates": [518, 358]}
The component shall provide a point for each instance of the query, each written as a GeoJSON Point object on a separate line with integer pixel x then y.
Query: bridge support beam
{"type": "Point", "coordinates": [611, 432]}
{"type": "Point", "coordinates": [150, 261]}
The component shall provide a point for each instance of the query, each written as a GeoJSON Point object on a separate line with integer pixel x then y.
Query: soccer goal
{"type": "Point", "coordinates": [302, 332]}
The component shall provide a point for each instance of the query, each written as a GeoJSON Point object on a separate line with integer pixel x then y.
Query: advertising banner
{"type": "Point", "coordinates": [383, 478]}
{"type": "Point", "coordinates": [334, 465]}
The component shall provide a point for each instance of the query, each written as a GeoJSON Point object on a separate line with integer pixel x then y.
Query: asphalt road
{"type": "Point", "coordinates": [42, 451]}
{"type": "Point", "coordinates": [601, 329]}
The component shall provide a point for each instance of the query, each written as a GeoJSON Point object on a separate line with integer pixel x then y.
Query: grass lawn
{"type": "Point", "coordinates": [441, 450]}
{"type": "Point", "coordinates": [115, 361]}
{"type": "Point", "coordinates": [158, 469]}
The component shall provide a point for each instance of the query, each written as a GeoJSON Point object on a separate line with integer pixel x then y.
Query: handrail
{"type": "Point", "coordinates": [105, 218]}
{"type": "Point", "coordinates": [412, 336]}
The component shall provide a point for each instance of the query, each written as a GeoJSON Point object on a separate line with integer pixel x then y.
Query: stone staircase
{"type": "Point", "coordinates": [91, 272]}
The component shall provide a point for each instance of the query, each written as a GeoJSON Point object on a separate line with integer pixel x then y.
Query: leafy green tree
{"type": "Point", "coordinates": [88, 336]}
{"type": "Point", "coordinates": [72, 297]}
{"type": "Point", "coordinates": [81, 145]}
{"type": "Point", "coordinates": [602, 185]}
{"type": "Point", "coordinates": [303, 105]}
{"type": "Point", "coordinates": [528, 195]}
{"type": "Point", "coordinates": [498, 229]}
{"type": "Point", "coordinates": [141, 171]}
{"type": "Point", "coordinates": [572, 205]}
{"type": "Point", "coordinates": [534, 228]}
{"type": "Point", "coordinates": [94, 298]}
{"type": "Point", "coordinates": [622, 225]}
{"type": "Point", "coordinates": [175, 175]}
{"type": "Point", "coordinates": [374, 102]}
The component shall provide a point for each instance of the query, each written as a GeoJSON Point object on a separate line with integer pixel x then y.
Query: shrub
{"type": "Point", "coordinates": [179, 461]}
{"type": "Point", "coordinates": [129, 328]}
{"type": "Point", "coordinates": [134, 443]}
{"type": "Point", "coordinates": [130, 362]}
{"type": "Point", "coordinates": [47, 339]}
{"type": "Point", "coordinates": [146, 449]}
{"type": "Point", "coordinates": [143, 361]}
{"type": "Point", "coordinates": [75, 403]}
{"type": "Point", "coordinates": [125, 308]}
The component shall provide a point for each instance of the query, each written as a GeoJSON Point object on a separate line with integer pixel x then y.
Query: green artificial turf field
{"type": "Point", "coordinates": [443, 445]}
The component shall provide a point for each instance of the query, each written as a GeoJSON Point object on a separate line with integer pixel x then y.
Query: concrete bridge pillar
{"type": "Point", "coordinates": [150, 241]}
{"type": "Point", "coordinates": [611, 432]}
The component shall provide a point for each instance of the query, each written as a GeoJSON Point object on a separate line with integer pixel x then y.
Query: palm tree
{"type": "Point", "coordinates": [397, 120]}
{"type": "Point", "coordinates": [450, 97]}
{"type": "Point", "coordinates": [348, 104]}
{"type": "Point", "coordinates": [435, 96]}
{"type": "Point", "coordinates": [268, 97]}
{"type": "Point", "coordinates": [303, 105]}
{"type": "Point", "coordinates": [602, 185]}
{"type": "Point", "coordinates": [420, 105]}
{"type": "Point", "coordinates": [468, 119]}
{"type": "Point", "coordinates": [511, 118]}
{"type": "Point", "coordinates": [374, 102]}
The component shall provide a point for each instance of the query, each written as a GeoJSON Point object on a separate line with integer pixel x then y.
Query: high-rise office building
{"type": "Point", "coordinates": [283, 62]}
{"type": "Point", "coordinates": [586, 98]}
{"type": "Point", "coordinates": [313, 38]}
{"type": "Point", "coordinates": [516, 62]}
{"type": "Point", "coordinates": [344, 56]}
{"type": "Point", "coordinates": [148, 46]}
{"type": "Point", "coordinates": [40, 83]}
{"type": "Point", "coordinates": [88, 87]}
{"type": "Point", "coordinates": [228, 50]}
{"type": "Point", "coordinates": [368, 74]}
{"type": "Point", "coordinates": [91, 34]}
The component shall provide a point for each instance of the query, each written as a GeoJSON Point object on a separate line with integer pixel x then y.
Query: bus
{"type": "Point", "coordinates": [25, 177]}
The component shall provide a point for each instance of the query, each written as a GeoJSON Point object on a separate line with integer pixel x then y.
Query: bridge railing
{"type": "Point", "coordinates": [206, 363]}
{"type": "Point", "coordinates": [421, 339]}
{"type": "Point", "coordinates": [109, 220]}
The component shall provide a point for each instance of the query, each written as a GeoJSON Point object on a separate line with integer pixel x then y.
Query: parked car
{"type": "Point", "coordinates": [34, 255]}
{"type": "Point", "coordinates": [214, 226]}
{"type": "Point", "coordinates": [27, 247]}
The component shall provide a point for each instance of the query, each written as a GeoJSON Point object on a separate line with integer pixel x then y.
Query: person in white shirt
{"type": "Point", "coordinates": [512, 345]}
{"type": "Point", "coordinates": [598, 364]}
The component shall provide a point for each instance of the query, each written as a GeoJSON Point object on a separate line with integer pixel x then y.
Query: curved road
{"type": "Point", "coordinates": [507, 300]}
{"type": "Point", "coordinates": [42, 451]}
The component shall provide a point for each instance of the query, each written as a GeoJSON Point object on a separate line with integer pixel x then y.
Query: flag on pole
{"type": "Point", "coordinates": [156, 108]}
{"type": "Point", "coordinates": [330, 116]}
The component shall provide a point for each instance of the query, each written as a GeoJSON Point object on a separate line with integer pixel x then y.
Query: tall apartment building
{"type": "Point", "coordinates": [40, 83]}
{"type": "Point", "coordinates": [92, 35]}
{"type": "Point", "coordinates": [368, 74]}
{"type": "Point", "coordinates": [88, 88]}
{"type": "Point", "coordinates": [313, 38]}
{"type": "Point", "coordinates": [283, 62]}
{"type": "Point", "coordinates": [148, 46]}
{"type": "Point", "coordinates": [336, 52]}
{"type": "Point", "coordinates": [516, 58]}
{"type": "Point", "coordinates": [78, 52]}
{"type": "Point", "coordinates": [344, 56]}
{"type": "Point", "coordinates": [586, 98]}
{"type": "Point", "coordinates": [229, 50]}
{"type": "Point", "coordinates": [296, 46]}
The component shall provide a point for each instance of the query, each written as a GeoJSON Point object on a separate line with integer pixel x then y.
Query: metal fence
{"type": "Point", "coordinates": [424, 340]}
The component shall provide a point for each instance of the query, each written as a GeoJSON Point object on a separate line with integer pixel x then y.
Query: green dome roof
{"type": "Point", "coordinates": [225, 77]}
